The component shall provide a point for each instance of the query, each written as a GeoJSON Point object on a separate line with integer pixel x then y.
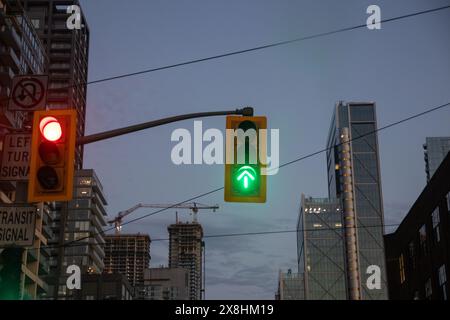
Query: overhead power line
{"type": "Point", "coordinates": [248, 50]}
{"type": "Point", "coordinates": [417, 115]}
{"type": "Point", "coordinates": [241, 234]}
{"type": "Point", "coordinates": [262, 47]}
{"type": "Point", "coordinates": [226, 235]}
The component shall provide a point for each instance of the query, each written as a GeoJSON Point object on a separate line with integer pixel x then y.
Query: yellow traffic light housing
{"type": "Point", "coordinates": [52, 156]}
{"type": "Point", "coordinates": [246, 153]}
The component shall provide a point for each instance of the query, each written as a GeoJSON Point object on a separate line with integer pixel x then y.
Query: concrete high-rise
{"type": "Point", "coordinates": [354, 178]}
{"type": "Point", "coordinates": [320, 249]}
{"type": "Point", "coordinates": [186, 251]}
{"type": "Point", "coordinates": [435, 150]}
{"type": "Point", "coordinates": [67, 51]}
{"type": "Point", "coordinates": [128, 254]}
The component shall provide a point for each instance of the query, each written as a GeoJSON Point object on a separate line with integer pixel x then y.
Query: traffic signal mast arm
{"type": "Point", "coordinates": [247, 111]}
{"type": "Point", "coordinates": [117, 221]}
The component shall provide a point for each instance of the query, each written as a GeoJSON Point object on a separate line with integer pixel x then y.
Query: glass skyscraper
{"type": "Point", "coordinates": [320, 248]}
{"type": "Point", "coordinates": [435, 150]}
{"type": "Point", "coordinates": [354, 178]}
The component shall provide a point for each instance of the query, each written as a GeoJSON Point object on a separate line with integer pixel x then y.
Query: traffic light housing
{"type": "Point", "coordinates": [52, 156]}
{"type": "Point", "coordinates": [10, 270]}
{"type": "Point", "coordinates": [245, 159]}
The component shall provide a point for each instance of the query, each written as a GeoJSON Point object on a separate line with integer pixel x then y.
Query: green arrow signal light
{"type": "Point", "coordinates": [246, 178]}
{"type": "Point", "coordinates": [246, 174]}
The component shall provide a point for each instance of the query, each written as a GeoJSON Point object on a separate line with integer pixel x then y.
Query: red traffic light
{"type": "Point", "coordinates": [50, 128]}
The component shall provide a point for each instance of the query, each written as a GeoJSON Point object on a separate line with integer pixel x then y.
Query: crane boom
{"type": "Point", "coordinates": [194, 206]}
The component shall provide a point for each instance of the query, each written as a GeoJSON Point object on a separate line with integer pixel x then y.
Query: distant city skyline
{"type": "Point", "coordinates": [403, 68]}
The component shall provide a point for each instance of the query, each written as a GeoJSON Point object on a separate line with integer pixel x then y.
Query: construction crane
{"type": "Point", "coordinates": [194, 206]}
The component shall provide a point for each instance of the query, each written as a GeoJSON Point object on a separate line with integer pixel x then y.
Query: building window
{"type": "Point", "coordinates": [82, 225]}
{"type": "Point", "coordinates": [35, 23]}
{"type": "Point", "coordinates": [443, 281]}
{"type": "Point", "coordinates": [423, 239]}
{"type": "Point", "coordinates": [436, 220]}
{"type": "Point", "coordinates": [84, 181]}
{"type": "Point", "coordinates": [428, 289]}
{"type": "Point", "coordinates": [89, 297]}
{"type": "Point", "coordinates": [83, 192]}
{"type": "Point", "coordinates": [448, 202]}
{"type": "Point", "coordinates": [62, 290]}
{"type": "Point", "coordinates": [401, 263]}
{"type": "Point", "coordinates": [412, 254]}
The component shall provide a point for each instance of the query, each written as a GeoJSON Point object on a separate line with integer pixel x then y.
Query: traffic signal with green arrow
{"type": "Point", "coordinates": [10, 269]}
{"type": "Point", "coordinates": [245, 158]}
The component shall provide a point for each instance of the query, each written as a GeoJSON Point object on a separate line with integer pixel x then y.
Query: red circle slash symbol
{"type": "Point", "coordinates": [28, 93]}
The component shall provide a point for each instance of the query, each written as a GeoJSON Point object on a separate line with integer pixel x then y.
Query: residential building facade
{"type": "Point", "coordinates": [68, 52]}
{"type": "Point", "coordinates": [418, 252]}
{"type": "Point", "coordinates": [80, 227]}
{"type": "Point", "coordinates": [21, 53]}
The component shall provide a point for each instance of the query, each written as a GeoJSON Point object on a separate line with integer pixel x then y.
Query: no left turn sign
{"type": "Point", "coordinates": [29, 93]}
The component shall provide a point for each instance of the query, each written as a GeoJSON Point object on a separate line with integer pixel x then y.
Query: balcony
{"type": "Point", "coordinates": [9, 34]}
{"type": "Point", "coordinates": [60, 56]}
{"type": "Point", "coordinates": [60, 66]}
{"type": "Point", "coordinates": [9, 57]}
{"type": "Point", "coordinates": [44, 267]}
{"type": "Point", "coordinates": [31, 255]}
{"type": "Point", "coordinates": [45, 251]}
{"type": "Point", "coordinates": [97, 259]}
{"type": "Point", "coordinates": [10, 118]}
{"type": "Point", "coordinates": [6, 75]}
{"type": "Point", "coordinates": [47, 232]}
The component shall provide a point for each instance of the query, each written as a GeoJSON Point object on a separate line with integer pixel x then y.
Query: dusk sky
{"type": "Point", "coordinates": [404, 68]}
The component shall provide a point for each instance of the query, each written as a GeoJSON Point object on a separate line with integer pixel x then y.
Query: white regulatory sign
{"type": "Point", "coordinates": [17, 224]}
{"type": "Point", "coordinates": [29, 93]}
{"type": "Point", "coordinates": [16, 157]}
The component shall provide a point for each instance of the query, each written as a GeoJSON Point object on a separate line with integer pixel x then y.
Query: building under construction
{"type": "Point", "coordinates": [186, 251]}
{"type": "Point", "coordinates": [128, 254]}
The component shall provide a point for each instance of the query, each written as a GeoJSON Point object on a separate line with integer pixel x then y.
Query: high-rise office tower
{"type": "Point", "coordinates": [435, 150]}
{"type": "Point", "coordinates": [80, 241]}
{"type": "Point", "coordinates": [320, 249]}
{"type": "Point", "coordinates": [128, 254]}
{"type": "Point", "coordinates": [186, 251]}
{"type": "Point", "coordinates": [354, 178]}
{"type": "Point", "coordinates": [68, 52]}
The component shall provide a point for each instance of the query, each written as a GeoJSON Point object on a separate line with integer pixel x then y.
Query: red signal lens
{"type": "Point", "coordinates": [50, 128]}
